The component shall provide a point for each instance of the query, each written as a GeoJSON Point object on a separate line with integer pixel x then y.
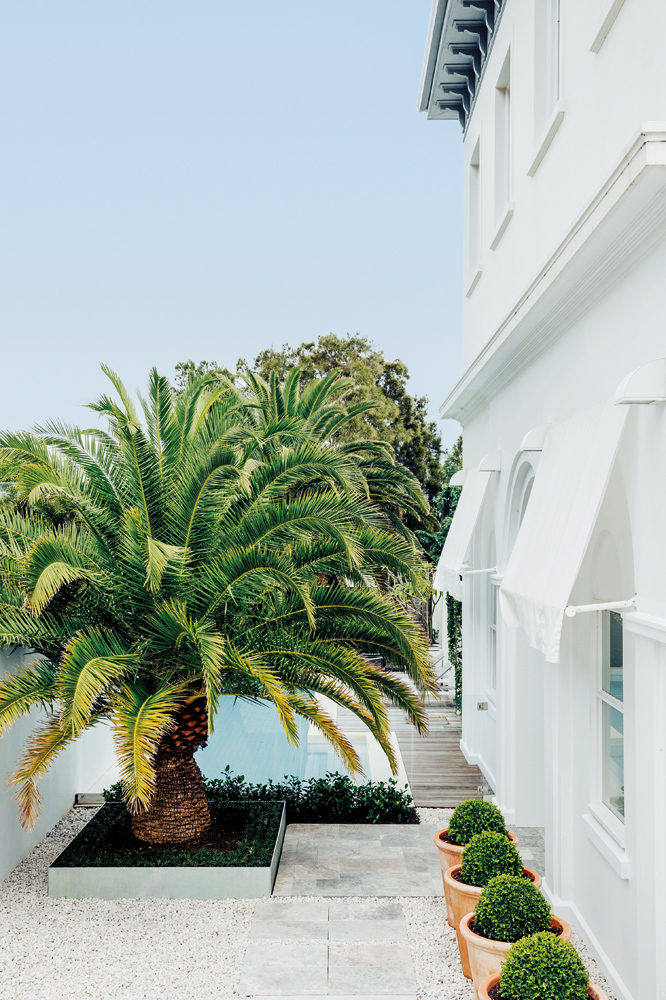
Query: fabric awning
{"type": "Point", "coordinates": [569, 488]}
{"type": "Point", "coordinates": [447, 577]}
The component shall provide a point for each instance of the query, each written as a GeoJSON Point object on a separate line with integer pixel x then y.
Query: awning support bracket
{"type": "Point", "coordinates": [474, 572]}
{"type": "Point", "coordinates": [576, 609]}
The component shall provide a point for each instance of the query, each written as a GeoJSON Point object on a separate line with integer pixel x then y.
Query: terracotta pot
{"type": "Point", "coordinates": [486, 986]}
{"type": "Point", "coordinates": [486, 956]}
{"type": "Point", "coordinates": [449, 855]}
{"type": "Point", "coordinates": [461, 900]}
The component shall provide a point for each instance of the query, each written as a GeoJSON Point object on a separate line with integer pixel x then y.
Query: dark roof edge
{"type": "Point", "coordinates": [432, 50]}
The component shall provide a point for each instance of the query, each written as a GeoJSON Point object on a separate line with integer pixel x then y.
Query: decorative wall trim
{"type": "Point", "coordinates": [607, 24]}
{"type": "Point", "coordinates": [556, 120]}
{"type": "Point", "coordinates": [647, 625]}
{"type": "Point", "coordinates": [506, 219]}
{"type": "Point", "coordinates": [532, 324]}
{"type": "Point", "coordinates": [474, 282]}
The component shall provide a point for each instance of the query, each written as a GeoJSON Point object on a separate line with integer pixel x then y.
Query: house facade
{"type": "Point", "coordinates": [558, 547]}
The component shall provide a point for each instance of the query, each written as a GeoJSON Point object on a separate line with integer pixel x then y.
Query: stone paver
{"type": "Point", "coordinates": [349, 859]}
{"type": "Point", "coordinates": [342, 949]}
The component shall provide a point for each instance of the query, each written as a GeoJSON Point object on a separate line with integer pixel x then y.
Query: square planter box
{"type": "Point", "coordinates": [185, 882]}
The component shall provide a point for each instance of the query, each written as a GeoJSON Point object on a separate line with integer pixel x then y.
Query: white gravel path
{"type": "Point", "coordinates": [158, 949]}
{"type": "Point", "coordinates": [434, 817]}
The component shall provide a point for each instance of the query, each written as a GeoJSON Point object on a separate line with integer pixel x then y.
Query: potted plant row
{"type": "Point", "coordinates": [509, 908]}
{"type": "Point", "coordinates": [471, 817]}
{"type": "Point", "coordinates": [510, 944]}
{"type": "Point", "coordinates": [543, 966]}
{"type": "Point", "coordinates": [486, 856]}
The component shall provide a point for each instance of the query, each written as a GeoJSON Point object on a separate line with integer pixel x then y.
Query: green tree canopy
{"type": "Point", "coordinates": [397, 417]}
{"type": "Point", "coordinates": [444, 503]}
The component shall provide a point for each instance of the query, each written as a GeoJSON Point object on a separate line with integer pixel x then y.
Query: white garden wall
{"type": "Point", "coordinates": [87, 766]}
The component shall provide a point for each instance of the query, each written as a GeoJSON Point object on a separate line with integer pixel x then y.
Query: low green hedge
{"type": "Point", "coordinates": [511, 907]}
{"type": "Point", "coordinates": [488, 855]}
{"type": "Point", "coordinates": [332, 799]}
{"type": "Point", "coordinates": [474, 816]}
{"type": "Point", "coordinates": [102, 842]}
{"type": "Point", "coordinates": [543, 966]}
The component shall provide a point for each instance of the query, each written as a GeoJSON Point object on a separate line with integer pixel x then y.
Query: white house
{"type": "Point", "coordinates": [558, 548]}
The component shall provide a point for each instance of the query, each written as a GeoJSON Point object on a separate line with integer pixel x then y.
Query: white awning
{"type": "Point", "coordinates": [569, 488]}
{"type": "Point", "coordinates": [449, 567]}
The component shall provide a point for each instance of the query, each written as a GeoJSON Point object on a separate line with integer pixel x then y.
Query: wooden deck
{"type": "Point", "coordinates": [439, 776]}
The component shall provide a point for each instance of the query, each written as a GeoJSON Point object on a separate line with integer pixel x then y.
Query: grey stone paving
{"type": "Point", "coordinates": [342, 949]}
{"type": "Point", "coordinates": [349, 859]}
{"type": "Point", "coordinates": [532, 847]}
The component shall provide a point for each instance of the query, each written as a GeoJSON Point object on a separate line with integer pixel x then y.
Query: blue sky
{"type": "Point", "coordinates": [205, 178]}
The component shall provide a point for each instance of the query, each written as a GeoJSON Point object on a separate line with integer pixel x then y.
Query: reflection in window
{"type": "Point", "coordinates": [611, 698]}
{"type": "Point", "coordinates": [492, 651]}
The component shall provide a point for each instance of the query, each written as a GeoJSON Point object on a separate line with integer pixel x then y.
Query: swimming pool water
{"type": "Point", "coordinates": [249, 737]}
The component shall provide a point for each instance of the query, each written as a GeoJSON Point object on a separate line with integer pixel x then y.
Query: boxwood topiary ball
{"type": "Point", "coordinates": [543, 966]}
{"type": "Point", "coordinates": [487, 855]}
{"type": "Point", "coordinates": [511, 907]}
{"type": "Point", "coordinates": [474, 816]}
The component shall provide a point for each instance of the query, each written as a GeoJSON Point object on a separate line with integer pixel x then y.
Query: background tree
{"type": "Point", "coordinates": [397, 418]}
{"type": "Point", "coordinates": [445, 503]}
{"type": "Point", "coordinates": [189, 553]}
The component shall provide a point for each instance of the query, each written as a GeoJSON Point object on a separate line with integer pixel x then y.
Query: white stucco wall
{"type": "Point", "coordinates": [566, 305]}
{"type": "Point", "coordinates": [87, 766]}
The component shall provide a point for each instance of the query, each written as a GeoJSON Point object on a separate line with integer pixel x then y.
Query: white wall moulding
{"type": "Point", "coordinates": [606, 25]}
{"type": "Point", "coordinates": [504, 222]}
{"type": "Point", "coordinates": [458, 478]}
{"type": "Point", "coordinates": [492, 462]}
{"type": "Point", "coordinates": [556, 120]}
{"type": "Point", "coordinates": [644, 385]}
{"type": "Point", "coordinates": [607, 846]}
{"type": "Point", "coordinates": [448, 576]}
{"type": "Point", "coordinates": [624, 219]}
{"type": "Point", "coordinates": [569, 487]}
{"type": "Point", "coordinates": [649, 626]}
{"type": "Point", "coordinates": [534, 439]}
{"type": "Point", "coordinates": [474, 282]}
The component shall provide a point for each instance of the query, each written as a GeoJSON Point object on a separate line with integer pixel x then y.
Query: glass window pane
{"type": "Point", "coordinates": [613, 656]}
{"type": "Point", "coordinates": [613, 758]}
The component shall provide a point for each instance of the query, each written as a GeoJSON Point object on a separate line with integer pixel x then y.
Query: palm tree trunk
{"type": "Point", "coordinates": [178, 810]}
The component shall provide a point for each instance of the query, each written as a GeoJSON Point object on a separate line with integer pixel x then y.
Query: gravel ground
{"type": "Point", "coordinates": [434, 817]}
{"type": "Point", "coordinates": [159, 949]}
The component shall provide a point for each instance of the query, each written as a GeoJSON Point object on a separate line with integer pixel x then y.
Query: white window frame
{"type": "Point", "coordinates": [493, 637]}
{"type": "Point", "coordinates": [474, 218]}
{"type": "Point", "coordinates": [610, 819]}
{"type": "Point", "coordinates": [553, 56]}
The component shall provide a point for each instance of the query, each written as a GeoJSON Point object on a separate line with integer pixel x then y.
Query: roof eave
{"type": "Point", "coordinates": [432, 51]}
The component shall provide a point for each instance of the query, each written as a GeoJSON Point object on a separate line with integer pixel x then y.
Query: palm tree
{"type": "Point", "coordinates": [162, 565]}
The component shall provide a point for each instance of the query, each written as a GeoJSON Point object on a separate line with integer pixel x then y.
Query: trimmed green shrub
{"type": "Point", "coordinates": [474, 816]}
{"type": "Point", "coordinates": [511, 907]}
{"type": "Point", "coordinates": [543, 966]}
{"type": "Point", "coordinates": [332, 799]}
{"type": "Point", "coordinates": [488, 855]}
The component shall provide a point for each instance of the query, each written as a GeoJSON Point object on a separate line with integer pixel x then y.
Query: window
{"type": "Point", "coordinates": [547, 62]}
{"type": "Point", "coordinates": [503, 139]}
{"type": "Point", "coordinates": [552, 56]}
{"type": "Point", "coordinates": [492, 638]}
{"type": "Point", "coordinates": [474, 209]}
{"type": "Point", "coordinates": [611, 714]}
